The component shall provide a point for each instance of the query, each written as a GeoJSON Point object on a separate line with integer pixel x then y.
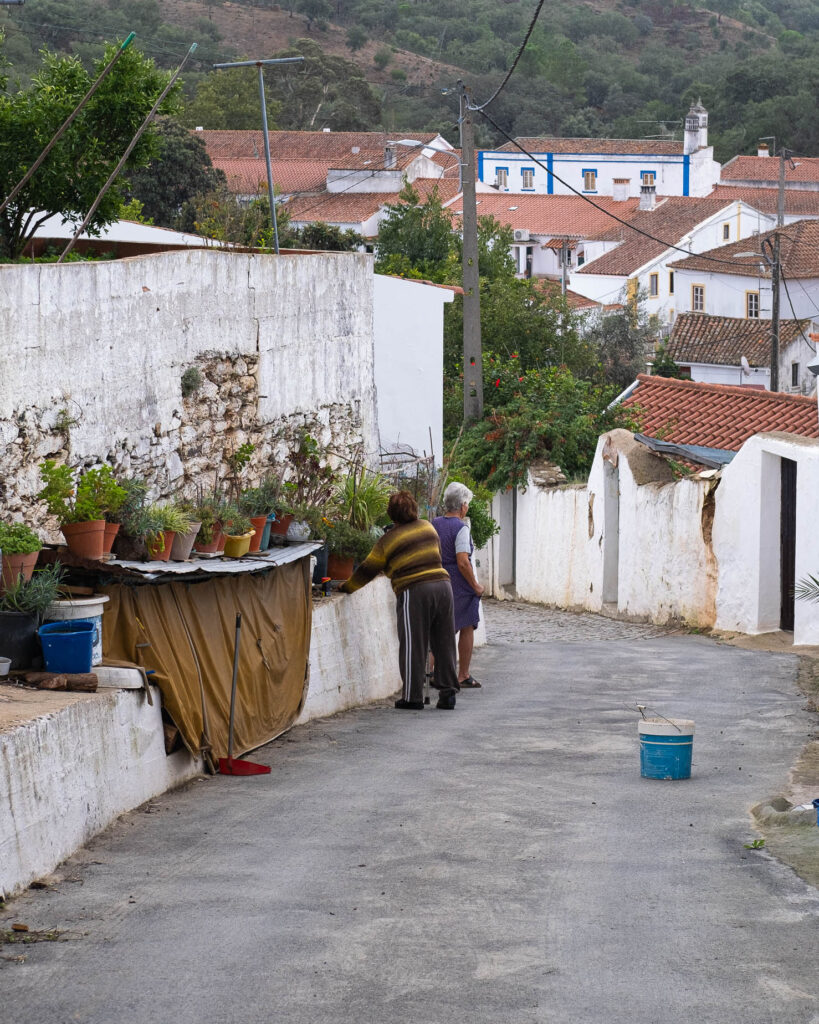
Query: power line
{"type": "Point", "coordinates": [796, 318]}
{"type": "Point", "coordinates": [591, 202]}
{"type": "Point", "coordinates": [518, 55]}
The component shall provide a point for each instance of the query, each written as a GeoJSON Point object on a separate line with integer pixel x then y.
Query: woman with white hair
{"type": "Point", "coordinates": [456, 551]}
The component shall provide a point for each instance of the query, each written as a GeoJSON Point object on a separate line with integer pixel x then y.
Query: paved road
{"type": "Point", "coordinates": [502, 864]}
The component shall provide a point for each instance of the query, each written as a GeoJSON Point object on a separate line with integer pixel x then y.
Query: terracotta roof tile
{"type": "Point", "coordinates": [357, 207]}
{"type": "Point", "coordinates": [548, 144]}
{"type": "Point", "coordinates": [328, 147]}
{"type": "Point", "coordinates": [552, 215]}
{"type": "Point", "coordinates": [798, 202]}
{"type": "Point", "coordinates": [248, 176]}
{"type": "Point", "coordinates": [764, 168]}
{"type": "Point", "coordinates": [667, 223]}
{"type": "Point", "coordinates": [721, 340]}
{"type": "Point", "coordinates": [717, 415]}
{"type": "Point", "coordinates": [799, 253]}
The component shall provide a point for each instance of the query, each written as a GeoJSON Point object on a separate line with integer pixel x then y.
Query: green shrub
{"type": "Point", "coordinates": [18, 539]}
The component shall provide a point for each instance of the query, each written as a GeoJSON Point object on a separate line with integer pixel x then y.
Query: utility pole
{"type": "Point", "coordinates": [473, 360]}
{"type": "Point", "coordinates": [775, 280]}
{"type": "Point", "coordinates": [564, 262]}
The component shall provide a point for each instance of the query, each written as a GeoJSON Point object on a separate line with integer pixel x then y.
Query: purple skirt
{"type": "Point", "coordinates": [466, 602]}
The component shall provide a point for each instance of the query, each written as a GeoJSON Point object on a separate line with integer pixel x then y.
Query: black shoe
{"type": "Point", "coordinates": [426, 700]}
{"type": "Point", "coordinates": [446, 703]}
{"type": "Point", "coordinates": [409, 705]}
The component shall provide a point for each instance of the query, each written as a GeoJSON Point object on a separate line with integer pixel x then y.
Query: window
{"type": "Point", "coordinates": [671, 282]}
{"type": "Point", "coordinates": [752, 305]}
{"type": "Point", "coordinates": [654, 285]}
{"type": "Point", "coordinates": [528, 176]}
{"type": "Point", "coordinates": [726, 232]}
{"type": "Point", "coordinates": [501, 175]}
{"type": "Point", "coordinates": [794, 375]}
{"type": "Point", "coordinates": [647, 177]}
{"type": "Point", "coordinates": [698, 298]}
{"type": "Point", "coordinates": [589, 180]}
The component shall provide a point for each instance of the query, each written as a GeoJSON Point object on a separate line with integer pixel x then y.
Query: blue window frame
{"type": "Point", "coordinates": [527, 175]}
{"type": "Point", "coordinates": [589, 179]}
{"type": "Point", "coordinates": [648, 177]}
{"type": "Point", "coordinates": [502, 173]}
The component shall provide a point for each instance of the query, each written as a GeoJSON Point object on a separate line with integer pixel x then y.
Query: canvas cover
{"type": "Point", "coordinates": [189, 629]}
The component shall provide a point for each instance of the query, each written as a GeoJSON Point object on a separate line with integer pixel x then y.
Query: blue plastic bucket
{"type": "Point", "coordinates": [665, 748]}
{"type": "Point", "coordinates": [67, 646]}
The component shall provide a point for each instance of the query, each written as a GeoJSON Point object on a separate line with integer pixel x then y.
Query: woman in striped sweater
{"type": "Point", "coordinates": [410, 555]}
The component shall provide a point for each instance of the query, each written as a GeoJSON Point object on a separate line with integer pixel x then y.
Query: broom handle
{"type": "Point", "coordinates": [233, 684]}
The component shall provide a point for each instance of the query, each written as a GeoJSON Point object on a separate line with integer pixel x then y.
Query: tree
{"type": "Point", "coordinates": [179, 172]}
{"type": "Point", "coordinates": [229, 99]}
{"type": "Point", "coordinates": [325, 237]}
{"type": "Point", "coordinates": [621, 341]}
{"type": "Point", "coordinates": [664, 366]}
{"type": "Point", "coordinates": [315, 10]}
{"type": "Point", "coordinates": [80, 163]}
{"type": "Point", "coordinates": [417, 239]}
{"type": "Point", "coordinates": [356, 37]}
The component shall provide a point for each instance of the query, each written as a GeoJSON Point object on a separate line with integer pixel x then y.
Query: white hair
{"type": "Point", "coordinates": [456, 495]}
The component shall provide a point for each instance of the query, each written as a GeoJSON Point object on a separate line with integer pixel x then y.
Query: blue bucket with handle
{"type": "Point", "coordinates": [68, 645]}
{"type": "Point", "coordinates": [666, 745]}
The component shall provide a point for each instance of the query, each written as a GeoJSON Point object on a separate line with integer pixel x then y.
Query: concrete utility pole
{"type": "Point", "coordinates": [265, 135]}
{"type": "Point", "coordinates": [775, 281]}
{"type": "Point", "coordinates": [473, 360]}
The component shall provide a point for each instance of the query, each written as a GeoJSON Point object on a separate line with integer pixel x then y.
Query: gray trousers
{"type": "Point", "coordinates": [426, 622]}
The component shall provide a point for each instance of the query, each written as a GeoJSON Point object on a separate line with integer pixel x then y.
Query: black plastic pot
{"type": "Point", "coordinates": [19, 641]}
{"type": "Point", "coordinates": [320, 570]}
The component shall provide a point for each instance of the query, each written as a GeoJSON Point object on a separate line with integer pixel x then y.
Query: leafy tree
{"type": "Point", "coordinates": [663, 365]}
{"type": "Point", "coordinates": [621, 341]}
{"type": "Point", "coordinates": [80, 163]}
{"type": "Point", "coordinates": [356, 37]}
{"type": "Point", "coordinates": [326, 237]}
{"type": "Point", "coordinates": [382, 57]}
{"type": "Point", "coordinates": [417, 239]}
{"type": "Point", "coordinates": [315, 10]}
{"type": "Point", "coordinates": [219, 216]}
{"type": "Point", "coordinates": [179, 172]}
{"type": "Point", "coordinates": [229, 99]}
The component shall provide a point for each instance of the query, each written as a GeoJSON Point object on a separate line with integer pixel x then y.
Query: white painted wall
{"type": "Point", "coordinates": [713, 373]}
{"type": "Point", "coordinates": [408, 319]}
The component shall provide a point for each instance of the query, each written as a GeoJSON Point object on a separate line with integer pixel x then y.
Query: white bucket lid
{"type": "Point", "coordinates": [77, 607]}
{"type": "Point", "coordinates": [665, 727]}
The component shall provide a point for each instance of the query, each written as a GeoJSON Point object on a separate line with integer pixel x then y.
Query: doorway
{"type": "Point", "coordinates": [787, 542]}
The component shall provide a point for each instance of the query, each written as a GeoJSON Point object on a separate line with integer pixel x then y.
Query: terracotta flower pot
{"type": "Point", "coordinates": [339, 568]}
{"type": "Point", "coordinates": [259, 523]}
{"type": "Point", "coordinates": [211, 547]}
{"type": "Point", "coordinates": [183, 542]}
{"type": "Point", "coordinates": [160, 549]}
{"type": "Point", "coordinates": [18, 565]}
{"type": "Point", "coordinates": [238, 544]}
{"type": "Point", "coordinates": [85, 540]}
{"type": "Point", "coordinates": [280, 524]}
{"type": "Point", "coordinates": [111, 531]}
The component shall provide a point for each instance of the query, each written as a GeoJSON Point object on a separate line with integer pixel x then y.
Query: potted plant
{"type": "Point", "coordinates": [128, 543]}
{"type": "Point", "coordinates": [22, 607]}
{"type": "Point", "coordinates": [100, 487]}
{"type": "Point", "coordinates": [362, 498]}
{"type": "Point", "coordinates": [209, 511]}
{"type": "Point", "coordinates": [183, 542]}
{"type": "Point", "coordinates": [81, 519]}
{"type": "Point", "coordinates": [160, 524]}
{"type": "Point", "coordinates": [255, 503]}
{"type": "Point", "coordinates": [238, 534]}
{"type": "Point", "coordinates": [346, 545]}
{"type": "Point", "coordinates": [20, 546]}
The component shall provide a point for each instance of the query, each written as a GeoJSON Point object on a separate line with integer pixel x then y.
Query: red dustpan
{"type": "Point", "coordinates": [231, 765]}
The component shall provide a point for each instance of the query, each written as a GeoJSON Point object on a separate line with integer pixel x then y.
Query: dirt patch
{"type": "Point", "coordinates": [20, 704]}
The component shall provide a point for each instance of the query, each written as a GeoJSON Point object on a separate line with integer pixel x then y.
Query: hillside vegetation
{"type": "Point", "coordinates": [622, 68]}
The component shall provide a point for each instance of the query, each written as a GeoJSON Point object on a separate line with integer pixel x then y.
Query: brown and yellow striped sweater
{"type": "Point", "coordinates": [408, 553]}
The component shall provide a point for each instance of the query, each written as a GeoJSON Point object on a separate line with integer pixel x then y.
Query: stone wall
{"type": "Point", "coordinates": [93, 356]}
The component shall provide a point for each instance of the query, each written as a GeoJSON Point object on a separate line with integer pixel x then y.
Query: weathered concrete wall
{"type": "Point", "coordinates": [92, 357]}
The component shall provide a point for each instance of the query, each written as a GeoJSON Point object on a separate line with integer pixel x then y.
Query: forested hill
{"type": "Point", "coordinates": [622, 68]}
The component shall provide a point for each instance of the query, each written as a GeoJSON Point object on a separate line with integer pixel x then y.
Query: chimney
{"type": "Point", "coordinates": [390, 158]}
{"type": "Point", "coordinates": [199, 128]}
{"type": "Point", "coordinates": [648, 197]}
{"type": "Point", "coordinates": [622, 187]}
{"type": "Point", "coordinates": [763, 150]}
{"type": "Point", "coordinates": [326, 130]}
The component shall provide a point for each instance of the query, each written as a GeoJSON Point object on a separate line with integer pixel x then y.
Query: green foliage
{"type": "Point", "coordinates": [482, 525]}
{"type": "Point", "coordinates": [621, 341]}
{"type": "Point", "coordinates": [807, 589]}
{"type": "Point", "coordinates": [362, 499]}
{"type": "Point", "coordinates": [324, 237]}
{"type": "Point", "coordinates": [61, 496]}
{"type": "Point", "coordinates": [538, 415]}
{"type": "Point", "coordinates": [136, 493]}
{"type": "Point", "coordinates": [83, 159]}
{"type": "Point", "coordinates": [417, 239]}
{"type": "Point", "coordinates": [98, 487]}
{"type": "Point", "coordinates": [255, 501]}
{"type": "Point", "coordinates": [179, 173]}
{"type": "Point", "coordinates": [664, 366]}
{"type": "Point", "coordinates": [236, 523]}
{"type": "Point", "coordinates": [18, 539]}
{"type": "Point", "coordinates": [230, 99]}
{"type": "Point", "coordinates": [348, 541]}
{"type": "Point", "coordinates": [33, 597]}
{"type": "Point", "coordinates": [191, 380]}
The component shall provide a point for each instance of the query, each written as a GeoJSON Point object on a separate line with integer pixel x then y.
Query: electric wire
{"type": "Point", "coordinates": [518, 55]}
{"type": "Point", "coordinates": [795, 317]}
{"type": "Point", "coordinates": [591, 202]}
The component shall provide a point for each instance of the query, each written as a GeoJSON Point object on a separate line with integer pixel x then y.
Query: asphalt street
{"type": "Point", "coordinates": [500, 863]}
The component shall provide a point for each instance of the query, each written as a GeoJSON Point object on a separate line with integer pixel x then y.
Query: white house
{"type": "Point", "coordinates": [637, 256]}
{"type": "Point", "coordinates": [592, 166]}
{"type": "Point", "coordinates": [760, 171]}
{"type": "Point", "coordinates": [735, 281]}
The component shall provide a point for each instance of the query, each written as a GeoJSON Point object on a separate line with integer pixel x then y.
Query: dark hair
{"type": "Point", "coordinates": [402, 507]}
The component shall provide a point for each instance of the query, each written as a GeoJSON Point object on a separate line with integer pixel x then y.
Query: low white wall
{"type": "Point", "coordinates": [67, 775]}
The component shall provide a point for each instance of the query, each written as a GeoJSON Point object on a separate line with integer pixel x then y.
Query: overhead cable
{"type": "Point", "coordinates": [518, 55]}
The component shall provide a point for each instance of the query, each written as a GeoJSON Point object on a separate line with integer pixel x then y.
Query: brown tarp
{"type": "Point", "coordinates": [189, 630]}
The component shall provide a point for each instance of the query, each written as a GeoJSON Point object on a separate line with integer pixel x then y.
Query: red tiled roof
{"type": "Point", "coordinates": [798, 202]}
{"type": "Point", "coordinates": [357, 207]}
{"type": "Point", "coordinates": [552, 287]}
{"type": "Point", "coordinates": [248, 176]}
{"type": "Point", "coordinates": [671, 219]}
{"type": "Point", "coordinates": [552, 215]}
{"type": "Point", "coordinates": [328, 147]}
{"type": "Point", "coordinates": [717, 415]}
{"type": "Point", "coordinates": [547, 144]}
{"type": "Point", "coordinates": [798, 253]}
{"type": "Point", "coordinates": [721, 340]}
{"type": "Point", "coordinates": [764, 168]}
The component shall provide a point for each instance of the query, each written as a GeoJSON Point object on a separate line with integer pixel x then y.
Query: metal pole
{"type": "Point", "coordinates": [266, 136]}
{"type": "Point", "coordinates": [473, 360]}
{"type": "Point", "coordinates": [112, 177]}
{"type": "Point", "coordinates": [233, 683]}
{"type": "Point", "coordinates": [564, 257]}
{"type": "Point", "coordinates": [775, 281]}
{"type": "Point", "coordinates": [61, 131]}
{"type": "Point", "coordinates": [780, 210]}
